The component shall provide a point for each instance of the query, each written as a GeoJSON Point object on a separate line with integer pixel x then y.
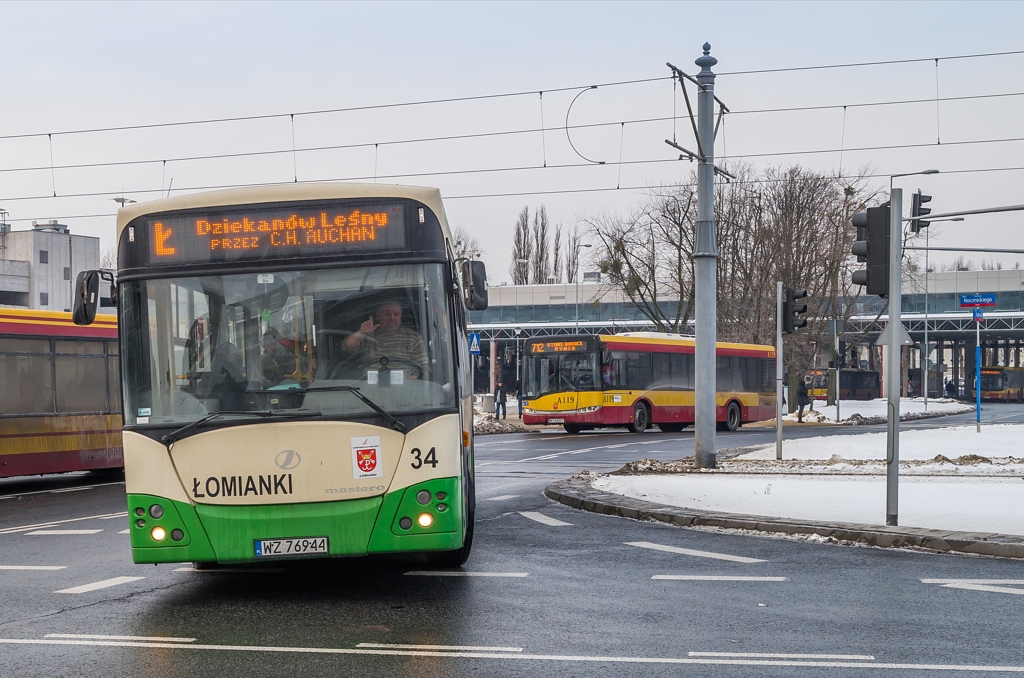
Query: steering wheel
{"type": "Point", "coordinates": [389, 362]}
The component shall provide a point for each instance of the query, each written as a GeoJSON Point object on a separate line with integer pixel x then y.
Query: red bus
{"type": "Point", "coordinates": [640, 379]}
{"type": "Point", "coordinates": [60, 394]}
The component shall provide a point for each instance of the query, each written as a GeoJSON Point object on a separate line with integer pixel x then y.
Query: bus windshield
{"type": "Point", "coordinates": [281, 339]}
{"type": "Point", "coordinates": [993, 381]}
{"type": "Point", "coordinates": [549, 373]}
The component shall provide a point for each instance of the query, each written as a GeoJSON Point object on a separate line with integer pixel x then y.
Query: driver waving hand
{"type": "Point", "coordinates": [384, 335]}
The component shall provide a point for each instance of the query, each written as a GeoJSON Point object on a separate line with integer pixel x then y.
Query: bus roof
{"type": "Point", "coordinates": [54, 324]}
{"type": "Point", "coordinates": [660, 339]}
{"type": "Point", "coordinates": [250, 195]}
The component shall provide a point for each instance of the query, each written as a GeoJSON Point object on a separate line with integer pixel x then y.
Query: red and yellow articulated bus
{"type": "Point", "coordinates": [60, 394]}
{"type": "Point", "coordinates": [640, 379]}
{"type": "Point", "coordinates": [1002, 383]}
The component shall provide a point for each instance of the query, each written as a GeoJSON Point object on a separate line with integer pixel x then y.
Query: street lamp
{"type": "Point", "coordinates": [927, 346]}
{"type": "Point", "coordinates": [576, 277]}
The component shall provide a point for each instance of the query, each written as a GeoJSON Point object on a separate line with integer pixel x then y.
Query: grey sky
{"type": "Point", "coordinates": [73, 66]}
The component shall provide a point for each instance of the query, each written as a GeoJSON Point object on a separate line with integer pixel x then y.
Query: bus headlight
{"type": "Point", "coordinates": [158, 534]}
{"type": "Point", "coordinates": [425, 520]}
{"type": "Point", "coordinates": [588, 410]}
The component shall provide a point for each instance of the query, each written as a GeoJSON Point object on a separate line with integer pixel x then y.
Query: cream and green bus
{"type": "Point", "coordinates": [296, 375]}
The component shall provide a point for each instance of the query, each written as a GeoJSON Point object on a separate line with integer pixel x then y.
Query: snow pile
{"type": "Point", "coordinates": [486, 423]}
{"type": "Point", "coordinates": [876, 411]}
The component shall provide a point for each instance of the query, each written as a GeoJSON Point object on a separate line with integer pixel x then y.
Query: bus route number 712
{"type": "Point", "coordinates": [420, 460]}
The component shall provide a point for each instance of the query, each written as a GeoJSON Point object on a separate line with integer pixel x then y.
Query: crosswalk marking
{"type": "Point", "coordinates": [456, 573]}
{"type": "Point", "coordinates": [97, 585]}
{"type": "Point", "coordinates": [502, 497]}
{"type": "Point", "coordinates": [706, 577]}
{"type": "Point", "coordinates": [544, 520]}
{"type": "Point", "coordinates": [692, 552]}
{"type": "Point", "coordinates": [59, 532]}
{"type": "Point", "coordinates": [47, 568]}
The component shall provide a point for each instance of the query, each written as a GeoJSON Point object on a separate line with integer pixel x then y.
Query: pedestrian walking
{"type": "Point", "coordinates": [802, 400]}
{"type": "Point", "coordinates": [519, 396]}
{"type": "Point", "coordinates": [500, 397]}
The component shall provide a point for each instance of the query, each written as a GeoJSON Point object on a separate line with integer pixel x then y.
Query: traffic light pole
{"type": "Point", "coordinates": [705, 260]}
{"type": "Point", "coordinates": [778, 371]}
{"type": "Point", "coordinates": [893, 368]}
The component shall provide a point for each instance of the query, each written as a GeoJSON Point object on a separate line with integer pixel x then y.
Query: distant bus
{"type": "Point", "coordinates": [60, 394]}
{"type": "Point", "coordinates": [1002, 383]}
{"type": "Point", "coordinates": [853, 384]}
{"type": "Point", "coordinates": [640, 379]}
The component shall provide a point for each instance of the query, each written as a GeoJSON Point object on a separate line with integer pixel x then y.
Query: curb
{"type": "Point", "coordinates": [578, 493]}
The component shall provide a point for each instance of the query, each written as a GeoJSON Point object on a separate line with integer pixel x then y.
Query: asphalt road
{"type": "Point", "coordinates": [570, 593]}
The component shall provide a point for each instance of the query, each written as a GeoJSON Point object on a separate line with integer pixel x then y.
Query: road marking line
{"type": "Point", "coordinates": [90, 636]}
{"type": "Point", "coordinates": [543, 519]}
{"type": "Point", "coordinates": [467, 648]}
{"type": "Point", "coordinates": [128, 531]}
{"type": "Point", "coordinates": [456, 573]}
{"type": "Point", "coordinates": [984, 587]}
{"type": "Point", "coordinates": [70, 489]}
{"type": "Point", "coordinates": [502, 497]}
{"type": "Point", "coordinates": [25, 494]}
{"type": "Point", "coordinates": [33, 567]}
{"type": "Point", "coordinates": [26, 529]}
{"type": "Point", "coordinates": [1018, 582]}
{"type": "Point", "coordinates": [97, 585]}
{"type": "Point", "coordinates": [54, 532]}
{"type": "Point", "coordinates": [783, 655]}
{"type": "Point", "coordinates": [700, 577]}
{"type": "Point", "coordinates": [691, 552]}
{"type": "Point", "coordinates": [590, 449]}
{"type": "Point", "coordinates": [51, 523]}
{"type": "Point", "coordinates": [508, 656]}
{"type": "Point", "coordinates": [115, 515]}
{"type": "Point", "coordinates": [217, 570]}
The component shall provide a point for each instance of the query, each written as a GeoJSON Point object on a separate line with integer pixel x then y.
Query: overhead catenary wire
{"type": "Point", "coordinates": [857, 64]}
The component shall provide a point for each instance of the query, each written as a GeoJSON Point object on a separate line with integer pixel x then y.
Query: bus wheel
{"type": "Point", "coordinates": [671, 428]}
{"type": "Point", "coordinates": [205, 565]}
{"type": "Point", "coordinates": [641, 418]}
{"type": "Point", "coordinates": [733, 417]}
{"type": "Point", "coordinates": [572, 428]}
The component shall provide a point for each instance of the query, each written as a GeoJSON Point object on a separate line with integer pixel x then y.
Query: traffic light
{"type": "Point", "coordinates": [791, 311]}
{"type": "Point", "coordinates": [874, 249]}
{"type": "Point", "coordinates": [916, 200]}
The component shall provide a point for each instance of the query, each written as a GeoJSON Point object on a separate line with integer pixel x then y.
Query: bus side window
{"type": "Point", "coordinates": [662, 370]}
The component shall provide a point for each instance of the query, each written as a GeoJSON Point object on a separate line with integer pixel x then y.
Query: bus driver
{"type": "Point", "coordinates": [387, 337]}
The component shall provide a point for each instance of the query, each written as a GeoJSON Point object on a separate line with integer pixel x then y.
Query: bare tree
{"type": "Point", "coordinates": [541, 254]}
{"type": "Point", "coordinates": [522, 250]}
{"type": "Point", "coordinates": [556, 260]}
{"type": "Point", "coordinates": [465, 245]}
{"type": "Point", "coordinates": [572, 252]}
{"type": "Point", "coordinates": [108, 260]}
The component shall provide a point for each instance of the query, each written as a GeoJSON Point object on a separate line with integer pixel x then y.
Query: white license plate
{"type": "Point", "coordinates": [300, 546]}
{"type": "Point", "coordinates": [556, 420]}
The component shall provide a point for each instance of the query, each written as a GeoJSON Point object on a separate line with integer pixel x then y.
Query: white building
{"type": "Point", "coordinates": [38, 267]}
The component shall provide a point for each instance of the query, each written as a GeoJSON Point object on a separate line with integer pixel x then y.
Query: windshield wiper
{"type": "Point", "coordinates": [388, 417]}
{"type": "Point", "coordinates": [178, 434]}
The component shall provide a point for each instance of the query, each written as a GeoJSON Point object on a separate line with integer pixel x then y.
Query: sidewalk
{"type": "Point", "coordinates": [953, 481]}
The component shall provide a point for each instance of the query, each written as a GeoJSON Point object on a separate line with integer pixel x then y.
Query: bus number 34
{"type": "Point", "coordinates": [431, 458]}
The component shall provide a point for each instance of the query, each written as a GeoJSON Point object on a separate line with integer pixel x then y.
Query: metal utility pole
{"type": "Point", "coordinates": [893, 369]}
{"type": "Point", "coordinates": [778, 371]}
{"type": "Point", "coordinates": [705, 256]}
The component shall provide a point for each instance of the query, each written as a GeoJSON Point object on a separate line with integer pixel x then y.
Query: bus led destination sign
{"type": "Point", "coordinates": [259, 234]}
{"type": "Point", "coordinates": [559, 346]}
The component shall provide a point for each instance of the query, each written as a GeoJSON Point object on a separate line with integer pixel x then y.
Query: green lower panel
{"type": "Point", "coordinates": [226, 534]}
{"type": "Point", "coordinates": [233, 529]}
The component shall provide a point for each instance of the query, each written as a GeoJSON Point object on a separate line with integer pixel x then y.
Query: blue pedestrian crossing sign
{"type": "Point", "coordinates": [979, 315]}
{"type": "Point", "coordinates": [474, 343]}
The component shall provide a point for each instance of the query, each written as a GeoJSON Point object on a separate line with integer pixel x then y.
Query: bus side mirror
{"type": "Point", "coordinates": [87, 297]}
{"type": "Point", "coordinates": [474, 285]}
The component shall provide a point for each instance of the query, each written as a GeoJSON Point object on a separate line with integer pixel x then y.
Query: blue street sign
{"type": "Point", "coordinates": [986, 299]}
{"type": "Point", "coordinates": [979, 315]}
{"type": "Point", "coordinates": [474, 343]}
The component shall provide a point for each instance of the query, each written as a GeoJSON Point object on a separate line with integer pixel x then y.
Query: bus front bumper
{"type": "Point", "coordinates": [181, 532]}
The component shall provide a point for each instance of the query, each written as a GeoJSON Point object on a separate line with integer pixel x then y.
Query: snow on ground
{"type": "Point", "coordinates": [910, 408]}
{"type": "Point", "coordinates": [996, 440]}
{"type": "Point", "coordinates": [965, 504]}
